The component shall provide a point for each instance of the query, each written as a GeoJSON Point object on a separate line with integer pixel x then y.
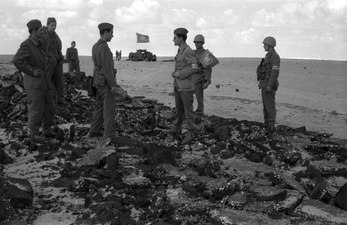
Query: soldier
{"type": "Point", "coordinates": [53, 46]}
{"type": "Point", "coordinates": [72, 57]}
{"type": "Point", "coordinates": [105, 84]}
{"type": "Point", "coordinates": [203, 78]}
{"type": "Point", "coordinates": [30, 59]}
{"type": "Point", "coordinates": [268, 73]}
{"type": "Point", "coordinates": [184, 85]}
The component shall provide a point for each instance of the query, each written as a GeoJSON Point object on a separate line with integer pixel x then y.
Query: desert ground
{"type": "Point", "coordinates": [312, 93]}
{"type": "Point", "coordinates": [232, 174]}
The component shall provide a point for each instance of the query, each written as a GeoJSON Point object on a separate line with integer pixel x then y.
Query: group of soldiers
{"type": "Point", "coordinates": [40, 59]}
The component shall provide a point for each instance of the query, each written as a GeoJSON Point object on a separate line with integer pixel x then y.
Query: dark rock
{"type": "Point", "coordinates": [18, 191]}
{"type": "Point", "coordinates": [265, 193]}
{"type": "Point", "coordinates": [222, 132]}
{"type": "Point", "coordinates": [341, 197]}
{"type": "Point", "coordinates": [301, 130]}
{"type": "Point", "coordinates": [160, 154]}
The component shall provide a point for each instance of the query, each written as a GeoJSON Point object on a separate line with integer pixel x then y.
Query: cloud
{"type": "Point", "coordinates": [249, 36]}
{"type": "Point", "coordinates": [49, 4]}
{"type": "Point", "coordinates": [141, 11]}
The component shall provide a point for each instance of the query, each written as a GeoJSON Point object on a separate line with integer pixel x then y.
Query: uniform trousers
{"type": "Point", "coordinates": [74, 66]}
{"type": "Point", "coordinates": [40, 103]}
{"type": "Point", "coordinates": [269, 107]}
{"type": "Point", "coordinates": [199, 93]}
{"type": "Point", "coordinates": [55, 71]}
{"type": "Point", "coordinates": [184, 108]}
{"type": "Point", "coordinates": [104, 112]}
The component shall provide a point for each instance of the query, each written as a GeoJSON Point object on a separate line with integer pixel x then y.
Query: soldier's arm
{"type": "Point", "coordinates": [208, 73]}
{"type": "Point", "coordinates": [20, 60]}
{"type": "Point", "coordinates": [77, 58]}
{"type": "Point", "coordinates": [191, 67]}
{"type": "Point", "coordinates": [107, 64]}
{"type": "Point", "coordinates": [275, 71]}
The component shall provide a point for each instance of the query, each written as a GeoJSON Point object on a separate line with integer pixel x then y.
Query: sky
{"type": "Point", "coordinates": [313, 29]}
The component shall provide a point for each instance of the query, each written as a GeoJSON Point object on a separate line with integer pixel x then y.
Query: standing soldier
{"type": "Point", "coordinates": [184, 85]}
{"type": "Point", "coordinates": [267, 73]}
{"type": "Point", "coordinates": [203, 78]}
{"type": "Point", "coordinates": [105, 83]}
{"type": "Point", "coordinates": [52, 46]}
{"type": "Point", "coordinates": [30, 59]}
{"type": "Point", "coordinates": [72, 57]}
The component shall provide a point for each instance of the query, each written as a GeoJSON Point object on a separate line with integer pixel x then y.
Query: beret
{"type": "Point", "coordinates": [104, 26]}
{"type": "Point", "coordinates": [51, 20]}
{"type": "Point", "coordinates": [181, 30]}
{"type": "Point", "coordinates": [34, 24]}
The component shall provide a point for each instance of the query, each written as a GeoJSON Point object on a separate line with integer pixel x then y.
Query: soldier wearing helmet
{"type": "Point", "coordinates": [203, 77]}
{"type": "Point", "coordinates": [268, 72]}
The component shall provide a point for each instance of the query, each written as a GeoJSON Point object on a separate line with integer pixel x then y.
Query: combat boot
{"type": "Point", "coordinates": [47, 132]}
{"type": "Point", "coordinates": [188, 138]}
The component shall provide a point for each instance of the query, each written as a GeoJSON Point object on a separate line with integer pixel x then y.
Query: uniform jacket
{"type": "Point", "coordinates": [30, 56]}
{"type": "Point", "coordinates": [186, 65]}
{"type": "Point", "coordinates": [52, 45]}
{"type": "Point", "coordinates": [203, 74]}
{"type": "Point", "coordinates": [271, 66]}
{"type": "Point", "coordinates": [72, 54]}
{"type": "Point", "coordinates": [103, 62]}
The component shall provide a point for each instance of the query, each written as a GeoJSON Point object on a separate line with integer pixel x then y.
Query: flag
{"type": "Point", "coordinates": [141, 38]}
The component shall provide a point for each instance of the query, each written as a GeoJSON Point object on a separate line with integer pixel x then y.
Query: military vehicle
{"type": "Point", "coordinates": [142, 55]}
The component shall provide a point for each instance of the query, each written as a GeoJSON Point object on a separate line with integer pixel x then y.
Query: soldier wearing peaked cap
{"type": "Point", "coordinates": [105, 83]}
{"type": "Point", "coordinates": [267, 73]}
{"type": "Point", "coordinates": [53, 47]}
{"type": "Point", "coordinates": [30, 59]}
{"type": "Point", "coordinates": [184, 85]}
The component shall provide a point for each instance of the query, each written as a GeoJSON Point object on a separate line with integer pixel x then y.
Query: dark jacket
{"type": "Point", "coordinates": [29, 57]}
{"type": "Point", "coordinates": [271, 66]}
{"type": "Point", "coordinates": [186, 65]}
{"type": "Point", "coordinates": [103, 62]}
{"type": "Point", "coordinates": [72, 55]}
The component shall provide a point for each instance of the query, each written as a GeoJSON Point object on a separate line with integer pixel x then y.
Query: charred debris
{"type": "Point", "coordinates": [233, 173]}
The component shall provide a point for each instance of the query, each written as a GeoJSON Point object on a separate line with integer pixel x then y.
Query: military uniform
{"type": "Point", "coordinates": [184, 86]}
{"type": "Point", "coordinates": [269, 79]}
{"type": "Point", "coordinates": [104, 80]}
{"type": "Point", "coordinates": [53, 46]}
{"type": "Point", "coordinates": [29, 57]}
{"type": "Point", "coordinates": [72, 57]}
{"type": "Point", "coordinates": [203, 76]}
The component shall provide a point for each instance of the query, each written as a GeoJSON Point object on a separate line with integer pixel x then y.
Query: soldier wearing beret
{"type": "Point", "coordinates": [184, 85]}
{"type": "Point", "coordinates": [72, 57]}
{"type": "Point", "coordinates": [30, 59]}
{"type": "Point", "coordinates": [105, 83]}
{"type": "Point", "coordinates": [268, 72]}
{"type": "Point", "coordinates": [53, 47]}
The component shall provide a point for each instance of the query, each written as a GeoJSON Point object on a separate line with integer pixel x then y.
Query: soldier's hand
{"type": "Point", "coordinates": [175, 74]}
{"type": "Point", "coordinates": [206, 84]}
{"type": "Point", "coordinates": [37, 72]}
{"type": "Point", "coordinates": [268, 89]}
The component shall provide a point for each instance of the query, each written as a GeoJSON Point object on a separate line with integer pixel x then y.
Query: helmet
{"type": "Point", "coordinates": [200, 38]}
{"type": "Point", "coordinates": [270, 41]}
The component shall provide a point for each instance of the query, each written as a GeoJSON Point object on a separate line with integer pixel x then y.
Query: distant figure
{"type": "Point", "coordinates": [267, 74]}
{"type": "Point", "coordinates": [117, 55]}
{"type": "Point", "coordinates": [105, 84]}
{"type": "Point", "coordinates": [120, 55]}
{"type": "Point", "coordinates": [72, 57]}
{"type": "Point", "coordinates": [203, 77]}
{"type": "Point", "coordinates": [184, 85]}
{"type": "Point", "coordinates": [30, 59]}
{"type": "Point", "coordinates": [52, 46]}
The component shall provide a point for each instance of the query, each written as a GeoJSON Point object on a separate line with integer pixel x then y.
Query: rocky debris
{"type": "Point", "coordinates": [317, 210]}
{"type": "Point", "coordinates": [232, 173]}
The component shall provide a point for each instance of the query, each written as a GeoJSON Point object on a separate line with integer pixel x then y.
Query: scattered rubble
{"type": "Point", "coordinates": [233, 173]}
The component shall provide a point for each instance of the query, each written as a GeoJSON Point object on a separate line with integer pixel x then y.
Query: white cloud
{"type": "Point", "coordinates": [49, 4]}
{"type": "Point", "coordinates": [141, 11]}
{"type": "Point", "coordinates": [249, 36]}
